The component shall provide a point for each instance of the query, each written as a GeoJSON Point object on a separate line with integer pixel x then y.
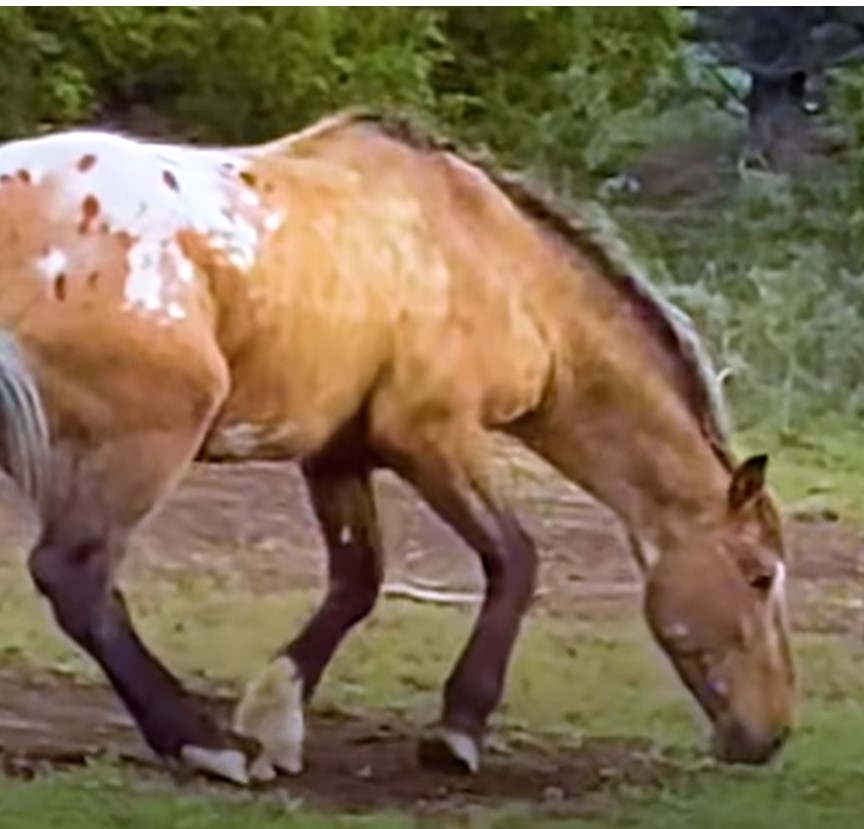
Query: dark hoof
{"type": "Point", "coordinates": [450, 752]}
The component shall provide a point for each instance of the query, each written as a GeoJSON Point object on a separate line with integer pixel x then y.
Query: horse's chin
{"type": "Point", "coordinates": [735, 744]}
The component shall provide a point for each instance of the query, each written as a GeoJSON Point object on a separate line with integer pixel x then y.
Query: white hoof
{"type": "Point", "coordinates": [261, 771]}
{"type": "Point", "coordinates": [271, 711]}
{"type": "Point", "coordinates": [464, 748]}
{"type": "Point", "coordinates": [228, 764]}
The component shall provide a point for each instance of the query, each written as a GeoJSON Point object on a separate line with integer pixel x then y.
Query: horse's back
{"type": "Point", "coordinates": [468, 330]}
{"type": "Point", "coordinates": [329, 275]}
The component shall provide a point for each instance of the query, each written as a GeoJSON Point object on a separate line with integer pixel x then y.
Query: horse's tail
{"type": "Point", "coordinates": [24, 432]}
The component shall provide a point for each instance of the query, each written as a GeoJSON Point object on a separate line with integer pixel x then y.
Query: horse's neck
{"type": "Point", "coordinates": [668, 484]}
{"type": "Point", "coordinates": [631, 436]}
{"type": "Point", "coordinates": [624, 433]}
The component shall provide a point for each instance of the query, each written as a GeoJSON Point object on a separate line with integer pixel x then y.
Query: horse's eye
{"type": "Point", "coordinates": [719, 687]}
{"type": "Point", "coordinates": [762, 582]}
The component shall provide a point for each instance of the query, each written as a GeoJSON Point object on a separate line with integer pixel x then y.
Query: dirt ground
{"type": "Point", "coordinates": [49, 722]}
{"type": "Point", "coordinates": [252, 525]}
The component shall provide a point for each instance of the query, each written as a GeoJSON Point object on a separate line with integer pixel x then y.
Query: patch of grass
{"type": "Point", "coordinates": [817, 784]}
{"type": "Point", "coordinates": [603, 677]}
{"type": "Point", "coordinates": [562, 675]}
{"type": "Point", "coordinates": [102, 797]}
{"type": "Point", "coordinates": [820, 468]}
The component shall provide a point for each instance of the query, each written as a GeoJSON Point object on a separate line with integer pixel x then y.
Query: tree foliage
{"type": "Point", "coordinates": [536, 82]}
{"type": "Point", "coordinates": [786, 52]}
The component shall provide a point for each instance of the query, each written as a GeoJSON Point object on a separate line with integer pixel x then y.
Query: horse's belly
{"type": "Point", "coordinates": [249, 440]}
{"type": "Point", "coordinates": [289, 397]}
{"type": "Point", "coordinates": [296, 426]}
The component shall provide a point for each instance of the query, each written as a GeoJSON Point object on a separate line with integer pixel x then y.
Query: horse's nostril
{"type": "Point", "coordinates": [737, 745]}
{"type": "Point", "coordinates": [780, 740]}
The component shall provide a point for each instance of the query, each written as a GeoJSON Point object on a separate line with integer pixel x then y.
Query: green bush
{"type": "Point", "coordinates": [773, 273]}
{"type": "Point", "coordinates": [229, 75]}
{"type": "Point", "coordinates": [535, 83]}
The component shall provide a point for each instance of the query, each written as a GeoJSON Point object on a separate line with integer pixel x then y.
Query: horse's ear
{"type": "Point", "coordinates": [747, 483]}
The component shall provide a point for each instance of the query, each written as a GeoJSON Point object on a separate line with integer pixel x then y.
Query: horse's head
{"type": "Point", "coordinates": [716, 605]}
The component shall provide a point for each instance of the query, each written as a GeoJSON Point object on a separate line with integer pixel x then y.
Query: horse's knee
{"type": "Point", "coordinates": [46, 569]}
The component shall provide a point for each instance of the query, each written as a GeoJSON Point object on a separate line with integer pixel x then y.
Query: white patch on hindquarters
{"type": "Point", "coordinates": [52, 264]}
{"type": "Point", "coordinates": [151, 193]}
{"type": "Point", "coordinates": [271, 711]}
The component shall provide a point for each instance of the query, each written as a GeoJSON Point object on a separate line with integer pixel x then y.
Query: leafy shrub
{"type": "Point", "coordinates": [773, 274]}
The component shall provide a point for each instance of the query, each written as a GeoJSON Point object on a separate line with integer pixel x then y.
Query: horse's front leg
{"type": "Point", "coordinates": [271, 710]}
{"type": "Point", "coordinates": [448, 467]}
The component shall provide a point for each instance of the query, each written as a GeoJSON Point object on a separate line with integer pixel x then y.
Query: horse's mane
{"type": "Point", "coordinates": [600, 243]}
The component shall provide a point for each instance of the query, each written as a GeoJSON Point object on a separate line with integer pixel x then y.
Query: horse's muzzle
{"type": "Point", "coordinates": [737, 744]}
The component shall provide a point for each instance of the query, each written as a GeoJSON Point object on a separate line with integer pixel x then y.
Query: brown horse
{"type": "Point", "coordinates": [356, 297]}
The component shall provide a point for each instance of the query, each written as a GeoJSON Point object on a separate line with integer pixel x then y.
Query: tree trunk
{"type": "Point", "coordinates": [777, 127]}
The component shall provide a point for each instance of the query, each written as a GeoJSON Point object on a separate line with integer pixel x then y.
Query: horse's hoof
{"type": "Point", "coordinates": [242, 761]}
{"type": "Point", "coordinates": [261, 770]}
{"type": "Point", "coordinates": [271, 712]}
{"type": "Point", "coordinates": [225, 763]}
{"type": "Point", "coordinates": [450, 751]}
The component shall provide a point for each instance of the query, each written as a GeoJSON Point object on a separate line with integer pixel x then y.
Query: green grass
{"type": "Point", "coordinates": [601, 678]}
{"type": "Point", "coordinates": [101, 797]}
{"type": "Point", "coordinates": [819, 469]}
{"type": "Point", "coordinates": [397, 661]}
{"type": "Point", "coordinates": [818, 783]}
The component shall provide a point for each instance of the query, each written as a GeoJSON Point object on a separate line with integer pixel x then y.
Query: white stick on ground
{"type": "Point", "coordinates": [416, 592]}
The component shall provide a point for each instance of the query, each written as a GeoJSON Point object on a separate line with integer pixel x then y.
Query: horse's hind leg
{"type": "Point", "coordinates": [271, 710]}
{"type": "Point", "coordinates": [448, 468]}
{"type": "Point", "coordinates": [74, 565]}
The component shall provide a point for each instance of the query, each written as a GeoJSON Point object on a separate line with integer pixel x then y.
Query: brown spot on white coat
{"type": "Point", "coordinates": [86, 162]}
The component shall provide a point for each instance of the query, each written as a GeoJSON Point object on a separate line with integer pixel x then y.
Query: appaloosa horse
{"type": "Point", "coordinates": [356, 297]}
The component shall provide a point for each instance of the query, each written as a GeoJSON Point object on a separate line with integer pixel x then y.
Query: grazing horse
{"type": "Point", "coordinates": [357, 297]}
